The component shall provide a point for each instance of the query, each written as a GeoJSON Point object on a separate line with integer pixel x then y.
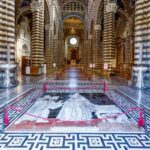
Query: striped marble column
{"type": "Point", "coordinates": [96, 49]}
{"type": "Point", "coordinates": [8, 75]}
{"type": "Point", "coordinates": [109, 33]}
{"type": "Point", "coordinates": [90, 50]}
{"type": "Point", "coordinates": [60, 53]}
{"type": "Point", "coordinates": [51, 48]}
{"type": "Point", "coordinates": [55, 52]}
{"type": "Point", "coordinates": [127, 49]}
{"type": "Point", "coordinates": [63, 51]}
{"type": "Point", "coordinates": [37, 8]}
{"type": "Point", "coordinates": [47, 46]}
{"type": "Point", "coordinates": [141, 69]}
{"type": "Point", "coordinates": [51, 54]}
{"type": "Point", "coordinates": [82, 54]}
{"type": "Point", "coordinates": [85, 55]}
{"type": "Point", "coordinates": [7, 31]}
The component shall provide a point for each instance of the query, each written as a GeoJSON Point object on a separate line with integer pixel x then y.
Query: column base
{"type": "Point", "coordinates": [140, 78]}
{"type": "Point", "coordinates": [106, 73]}
{"type": "Point", "coordinates": [36, 70]}
{"type": "Point", "coordinates": [8, 75]}
{"type": "Point", "coordinates": [49, 71]}
{"type": "Point", "coordinates": [124, 70]}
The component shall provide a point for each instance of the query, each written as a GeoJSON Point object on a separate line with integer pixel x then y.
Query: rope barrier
{"type": "Point", "coordinates": [6, 118]}
{"type": "Point", "coordinates": [45, 88]}
{"type": "Point", "coordinates": [16, 109]}
{"type": "Point", "coordinates": [141, 122]}
{"type": "Point", "coordinates": [6, 108]}
{"type": "Point", "coordinates": [92, 120]}
{"type": "Point", "coordinates": [105, 89]}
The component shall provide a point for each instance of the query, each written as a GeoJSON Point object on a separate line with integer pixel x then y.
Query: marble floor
{"type": "Point", "coordinates": [93, 134]}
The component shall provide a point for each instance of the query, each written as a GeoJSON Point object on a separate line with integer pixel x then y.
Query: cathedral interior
{"type": "Point", "coordinates": [74, 75]}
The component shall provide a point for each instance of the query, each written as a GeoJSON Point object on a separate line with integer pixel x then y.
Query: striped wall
{"type": "Point", "coordinates": [109, 32]}
{"type": "Point", "coordinates": [141, 69]}
{"type": "Point", "coordinates": [7, 30]}
{"type": "Point", "coordinates": [38, 34]}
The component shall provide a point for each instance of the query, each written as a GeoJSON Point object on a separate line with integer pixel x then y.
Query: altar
{"type": "Point", "coordinates": [73, 62]}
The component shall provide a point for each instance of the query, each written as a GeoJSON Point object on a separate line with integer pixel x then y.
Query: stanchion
{"type": "Point", "coordinates": [2, 125]}
{"type": "Point", "coordinates": [6, 118]}
{"type": "Point", "coordinates": [89, 77]}
{"type": "Point", "coordinates": [105, 88]}
{"type": "Point", "coordinates": [57, 76]}
{"type": "Point", "coordinates": [44, 88]}
{"type": "Point", "coordinates": [141, 119]}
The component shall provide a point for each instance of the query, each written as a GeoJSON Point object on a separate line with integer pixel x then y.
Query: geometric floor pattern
{"type": "Point", "coordinates": [74, 141]}
{"type": "Point", "coordinates": [126, 104]}
{"type": "Point", "coordinates": [23, 102]}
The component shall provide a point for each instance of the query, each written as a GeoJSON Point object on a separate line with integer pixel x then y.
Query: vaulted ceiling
{"type": "Point", "coordinates": [76, 10]}
{"type": "Point", "coordinates": [85, 2]}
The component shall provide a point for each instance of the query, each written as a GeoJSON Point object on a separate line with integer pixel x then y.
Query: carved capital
{"type": "Point", "coordinates": [36, 6]}
{"type": "Point", "coordinates": [111, 7]}
{"type": "Point", "coordinates": [90, 36]}
{"type": "Point", "coordinates": [86, 42]}
{"type": "Point", "coordinates": [98, 27]}
{"type": "Point", "coordinates": [55, 37]}
{"type": "Point", "coordinates": [47, 27]}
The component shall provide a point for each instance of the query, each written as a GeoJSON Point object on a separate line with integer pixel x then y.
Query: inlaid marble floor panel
{"type": "Point", "coordinates": [26, 93]}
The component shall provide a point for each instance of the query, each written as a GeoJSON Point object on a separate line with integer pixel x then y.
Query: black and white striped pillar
{"type": "Point", "coordinates": [85, 55]}
{"type": "Point", "coordinates": [37, 8]}
{"type": "Point", "coordinates": [90, 50]}
{"type": "Point", "coordinates": [110, 9]}
{"type": "Point", "coordinates": [8, 75]}
{"type": "Point", "coordinates": [7, 30]}
{"type": "Point", "coordinates": [96, 49]}
{"type": "Point", "coordinates": [141, 69]}
{"type": "Point", "coordinates": [47, 46]}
